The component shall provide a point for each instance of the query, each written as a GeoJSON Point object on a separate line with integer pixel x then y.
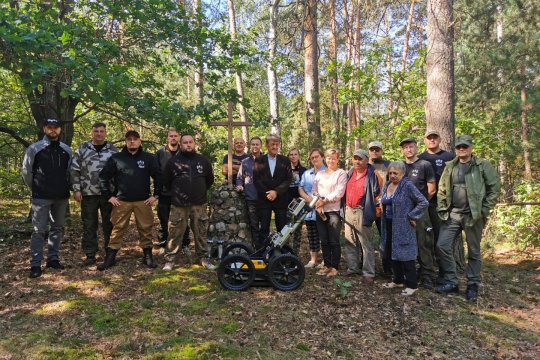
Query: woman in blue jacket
{"type": "Point", "coordinates": [403, 205]}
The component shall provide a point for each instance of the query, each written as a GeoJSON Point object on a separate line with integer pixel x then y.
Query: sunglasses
{"type": "Point", "coordinates": [461, 147]}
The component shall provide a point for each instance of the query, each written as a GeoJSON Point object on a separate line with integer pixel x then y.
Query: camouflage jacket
{"type": "Point", "coordinates": [86, 165]}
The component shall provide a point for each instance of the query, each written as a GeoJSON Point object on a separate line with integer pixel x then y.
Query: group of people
{"type": "Point", "coordinates": [113, 185]}
{"type": "Point", "coordinates": [419, 205]}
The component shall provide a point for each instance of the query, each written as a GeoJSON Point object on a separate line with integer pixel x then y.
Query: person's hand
{"type": "Point", "coordinates": [77, 195]}
{"type": "Point", "coordinates": [239, 188]}
{"type": "Point", "coordinates": [114, 201]}
{"type": "Point", "coordinates": [150, 201]}
{"type": "Point", "coordinates": [319, 204]}
{"type": "Point", "coordinates": [271, 195]}
{"type": "Point", "coordinates": [413, 222]}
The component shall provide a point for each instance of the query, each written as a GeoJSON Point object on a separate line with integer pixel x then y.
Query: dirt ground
{"type": "Point", "coordinates": [130, 312]}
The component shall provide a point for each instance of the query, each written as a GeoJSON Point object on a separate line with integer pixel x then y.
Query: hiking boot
{"type": "Point", "coordinates": [427, 284]}
{"type": "Point", "coordinates": [148, 260]}
{"type": "Point", "coordinates": [35, 272]}
{"type": "Point", "coordinates": [90, 260]}
{"type": "Point", "coordinates": [110, 259]}
{"type": "Point", "coordinates": [55, 264]}
{"type": "Point", "coordinates": [447, 289]}
{"type": "Point", "coordinates": [471, 294]}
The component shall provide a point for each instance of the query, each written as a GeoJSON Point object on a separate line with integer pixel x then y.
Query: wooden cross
{"type": "Point", "coordinates": [230, 124]}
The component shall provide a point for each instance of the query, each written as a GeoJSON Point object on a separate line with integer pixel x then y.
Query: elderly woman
{"type": "Point", "coordinates": [403, 205]}
{"type": "Point", "coordinates": [330, 185]}
{"type": "Point", "coordinates": [316, 158]}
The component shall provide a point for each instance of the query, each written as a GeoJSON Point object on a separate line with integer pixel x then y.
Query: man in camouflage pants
{"type": "Point", "coordinates": [87, 163]}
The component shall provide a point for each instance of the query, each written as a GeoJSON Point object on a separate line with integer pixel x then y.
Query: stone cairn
{"type": "Point", "coordinates": [229, 219]}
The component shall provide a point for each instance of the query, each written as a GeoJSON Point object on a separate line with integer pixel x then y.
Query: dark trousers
{"type": "Point", "coordinates": [254, 222]}
{"type": "Point", "coordinates": [404, 271]}
{"type": "Point", "coordinates": [329, 232]}
{"type": "Point", "coordinates": [163, 213]}
{"type": "Point", "coordinates": [280, 216]}
{"type": "Point", "coordinates": [90, 206]}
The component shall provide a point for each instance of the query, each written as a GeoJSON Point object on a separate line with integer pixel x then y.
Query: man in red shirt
{"type": "Point", "coordinates": [361, 196]}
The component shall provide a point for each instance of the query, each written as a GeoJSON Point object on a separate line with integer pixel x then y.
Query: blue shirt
{"type": "Point", "coordinates": [306, 183]}
{"type": "Point", "coordinates": [272, 164]}
{"type": "Point", "coordinates": [245, 179]}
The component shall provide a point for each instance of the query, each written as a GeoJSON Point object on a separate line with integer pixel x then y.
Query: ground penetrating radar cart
{"type": "Point", "coordinates": [274, 263]}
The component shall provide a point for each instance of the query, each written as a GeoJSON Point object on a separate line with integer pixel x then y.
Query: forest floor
{"type": "Point", "coordinates": [131, 312]}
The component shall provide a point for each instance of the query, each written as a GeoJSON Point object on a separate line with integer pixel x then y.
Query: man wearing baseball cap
{"type": "Point", "coordinates": [421, 174]}
{"type": "Point", "coordinates": [437, 157]}
{"type": "Point", "coordinates": [125, 181]}
{"type": "Point", "coordinates": [361, 196]}
{"type": "Point", "coordinates": [45, 172]}
{"type": "Point", "coordinates": [468, 191]}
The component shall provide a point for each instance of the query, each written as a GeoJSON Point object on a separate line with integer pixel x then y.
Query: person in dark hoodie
{"type": "Point", "coordinates": [188, 175]}
{"type": "Point", "coordinates": [361, 197]}
{"type": "Point", "coordinates": [125, 181]}
{"type": "Point", "coordinates": [45, 172]}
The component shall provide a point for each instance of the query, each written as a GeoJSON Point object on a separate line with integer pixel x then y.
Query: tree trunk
{"type": "Point", "coordinates": [199, 72]}
{"type": "Point", "coordinates": [525, 129]}
{"type": "Point", "coordinates": [271, 72]}
{"type": "Point", "coordinates": [440, 70]}
{"type": "Point", "coordinates": [311, 74]}
{"type": "Point", "coordinates": [332, 57]}
{"type": "Point", "coordinates": [358, 103]}
{"type": "Point", "coordinates": [238, 75]}
{"type": "Point", "coordinates": [390, 105]}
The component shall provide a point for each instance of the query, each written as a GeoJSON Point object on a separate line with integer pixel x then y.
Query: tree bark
{"type": "Point", "coordinates": [358, 103]}
{"type": "Point", "coordinates": [440, 103]}
{"type": "Point", "coordinates": [332, 57]}
{"type": "Point", "coordinates": [271, 72]}
{"type": "Point", "coordinates": [199, 71]}
{"type": "Point", "coordinates": [525, 129]}
{"type": "Point", "coordinates": [311, 74]}
{"type": "Point", "coordinates": [390, 105]}
{"type": "Point", "coordinates": [238, 75]}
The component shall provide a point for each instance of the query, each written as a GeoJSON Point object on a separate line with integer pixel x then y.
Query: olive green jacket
{"type": "Point", "coordinates": [483, 187]}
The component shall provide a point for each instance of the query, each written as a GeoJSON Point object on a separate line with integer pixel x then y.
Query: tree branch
{"type": "Point", "coordinates": [14, 134]}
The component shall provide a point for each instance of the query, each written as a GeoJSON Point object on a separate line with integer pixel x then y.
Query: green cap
{"type": "Point", "coordinates": [464, 140]}
{"type": "Point", "coordinates": [407, 140]}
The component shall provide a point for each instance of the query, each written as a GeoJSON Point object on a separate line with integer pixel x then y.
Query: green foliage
{"type": "Point", "coordinates": [342, 287]}
{"type": "Point", "coordinates": [519, 225]}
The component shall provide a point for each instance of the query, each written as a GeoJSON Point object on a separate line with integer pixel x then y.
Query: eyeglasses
{"type": "Point", "coordinates": [462, 147]}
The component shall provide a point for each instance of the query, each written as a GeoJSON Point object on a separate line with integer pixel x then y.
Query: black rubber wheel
{"type": "Point", "coordinates": [237, 248]}
{"type": "Point", "coordinates": [236, 272]}
{"type": "Point", "coordinates": [285, 272]}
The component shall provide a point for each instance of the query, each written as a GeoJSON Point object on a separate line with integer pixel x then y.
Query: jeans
{"type": "Point", "coordinates": [45, 211]}
{"type": "Point", "coordinates": [90, 206]}
{"type": "Point", "coordinates": [329, 232]}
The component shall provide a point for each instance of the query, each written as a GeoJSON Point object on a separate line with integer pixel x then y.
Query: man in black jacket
{"type": "Point", "coordinates": [128, 173]}
{"type": "Point", "coordinates": [45, 172]}
{"type": "Point", "coordinates": [188, 175]}
{"type": "Point", "coordinates": [272, 176]}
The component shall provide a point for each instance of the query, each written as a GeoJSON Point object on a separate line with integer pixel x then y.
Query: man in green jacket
{"type": "Point", "coordinates": [468, 190]}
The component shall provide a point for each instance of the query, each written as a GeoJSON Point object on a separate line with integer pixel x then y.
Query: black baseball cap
{"type": "Point", "coordinates": [132, 133]}
{"type": "Point", "coordinates": [52, 122]}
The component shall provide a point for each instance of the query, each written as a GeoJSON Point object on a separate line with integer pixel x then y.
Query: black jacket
{"type": "Point", "coordinates": [188, 176]}
{"type": "Point", "coordinates": [280, 182]}
{"type": "Point", "coordinates": [129, 174]}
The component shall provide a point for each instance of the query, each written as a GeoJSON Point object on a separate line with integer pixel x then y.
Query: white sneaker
{"type": "Point", "coordinates": [310, 265]}
{"type": "Point", "coordinates": [320, 266]}
{"type": "Point", "coordinates": [392, 285]}
{"type": "Point", "coordinates": [408, 291]}
{"type": "Point", "coordinates": [168, 266]}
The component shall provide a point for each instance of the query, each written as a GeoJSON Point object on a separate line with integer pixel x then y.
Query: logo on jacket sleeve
{"type": "Point", "coordinates": [141, 164]}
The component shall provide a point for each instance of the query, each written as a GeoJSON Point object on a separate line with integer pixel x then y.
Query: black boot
{"type": "Point", "coordinates": [110, 257]}
{"type": "Point", "coordinates": [147, 258]}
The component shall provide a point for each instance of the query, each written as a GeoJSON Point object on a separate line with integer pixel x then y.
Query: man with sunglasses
{"type": "Point", "coordinates": [468, 190]}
